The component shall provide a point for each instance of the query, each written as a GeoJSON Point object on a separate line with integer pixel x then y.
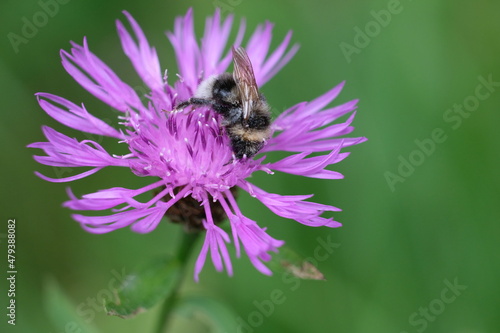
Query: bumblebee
{"type": "Point", "coordinates": [245, 112]}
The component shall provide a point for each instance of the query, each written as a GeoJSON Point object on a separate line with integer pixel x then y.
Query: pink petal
{"type": "Point", "coordinates": [74, 116]}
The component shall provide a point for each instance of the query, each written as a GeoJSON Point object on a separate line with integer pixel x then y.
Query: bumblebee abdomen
{"type": "Point", "coordinates": [243, 147]}
{"type": "Point", "coordinates": [259, 121]}
{"type": "Point", "coordinates": [247, 141]}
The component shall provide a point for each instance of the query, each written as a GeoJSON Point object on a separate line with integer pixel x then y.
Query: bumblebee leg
{"type": "Point", "coordinates": [201, 101]}
{"type": "Point", "coordinates": [182, 105]}
{"type": "Point", "coordinates": [194, 101]}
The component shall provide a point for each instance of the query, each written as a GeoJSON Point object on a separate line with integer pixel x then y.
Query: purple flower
{"type": "Point", "coordinates": [188, 154]}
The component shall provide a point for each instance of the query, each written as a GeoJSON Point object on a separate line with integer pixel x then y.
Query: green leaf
{"type": "Point", "coordinates": [142, 289]}
{"type": "Point", "coordinates": [61, 310]}
{"type": "Point", "coordinates": [216, 315]}
{"type": "Point", "coordinates": [288, 261]}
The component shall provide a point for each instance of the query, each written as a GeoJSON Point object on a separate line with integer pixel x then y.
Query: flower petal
{"type": "Point", "coordinates": [258, 48]}
{"type": "Point", "coordinates": [143, 57]}
{"type": "Point", "coordinates": [109, 198]}
{"type": "Point", "coordinates": [65, 151]}
{"type": "Point", "coordinates": [277, 60]}
{"type": "Point", "coordinates": [73, 116]}
{"type": "Point", "coordinates": [145, 219]}
{"type": "Point", "coordinates": [96, 77]}
{"type": "Point", "coordinates": [186, 50]}
{"type": "Point", "coordinates": [68, 179]}
{"type": "Point", "coordinates": [313, 167]}
{"type": "Point", "coordinates": [215, 240]}
{"type": "Point", "coordinates": [301, 127]}
{"type": "Point", "coordinates": [291, 207]}
{"type": "Point", "coordinates": [214, 42]}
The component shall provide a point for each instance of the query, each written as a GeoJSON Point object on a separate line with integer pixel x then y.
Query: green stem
{"type": "Point", "coordinates": [185, 248]}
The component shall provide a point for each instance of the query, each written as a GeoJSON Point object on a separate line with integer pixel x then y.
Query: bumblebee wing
{"type": "Point", "coordinates": [245, 80]}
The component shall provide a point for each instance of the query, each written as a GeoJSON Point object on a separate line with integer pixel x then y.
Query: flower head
{"type": "Point", "coordinates": [188, 154]}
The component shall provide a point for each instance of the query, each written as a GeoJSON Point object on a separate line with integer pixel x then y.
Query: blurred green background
{"type": "Point", "coordinates": [402, 243]}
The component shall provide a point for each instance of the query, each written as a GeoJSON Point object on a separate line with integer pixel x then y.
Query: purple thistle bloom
{"type": "Point", "coordinates": [188, 153]}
